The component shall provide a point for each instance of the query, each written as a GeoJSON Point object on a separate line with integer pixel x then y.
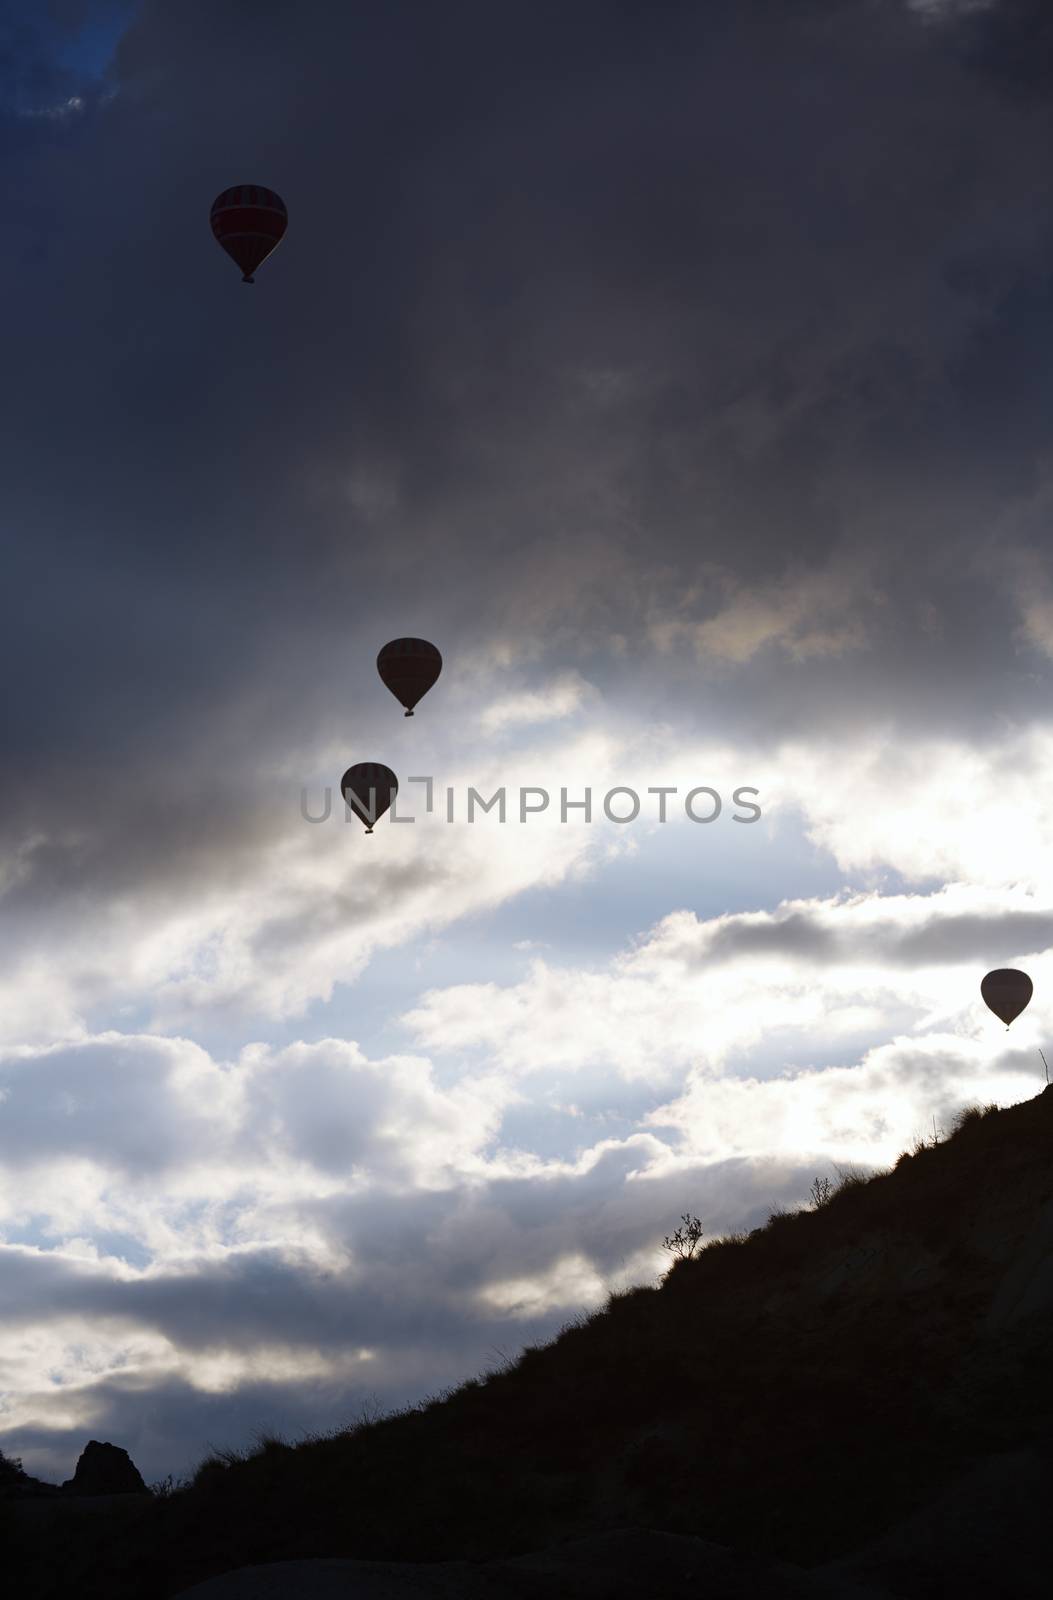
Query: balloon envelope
{"type": "Point", "coordinates": [248, 222]}
{"type": "Point", "coordinates": [1006, 992]}
{"type": "Point", "coordinates": [409, 667]}
{"type": "Point", "coordinates": [368, 789]}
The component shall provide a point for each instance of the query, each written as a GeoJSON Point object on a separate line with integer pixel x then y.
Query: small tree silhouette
{"type": "Point", "coordinates": [11, 1470]}
{"type": "Point", "coordinates": [821, 1192]}
{"type": "Point", "coordinates": [686, 1240]}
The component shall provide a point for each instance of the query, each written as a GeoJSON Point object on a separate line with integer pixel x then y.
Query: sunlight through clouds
{"type": "Point", "coordinates": [558, 698]}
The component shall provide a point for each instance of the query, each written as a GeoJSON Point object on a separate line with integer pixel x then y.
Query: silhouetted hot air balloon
{"type": "Point", "coordinates": [249, 222]}
{"type": "Point", "coordinates": [409, 667]}
{"type": "Point", "coordinates": [1006, 992]}
{"type": "Point", "coordinates": [369, 789]}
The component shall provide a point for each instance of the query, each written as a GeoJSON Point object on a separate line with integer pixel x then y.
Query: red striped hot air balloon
{"type": "Point", "coordinates": [409, 667]}
{"type": "Point", "coordinates": [1006, 992]}
{"type": "Point", "coordinates": [249, 222]}
{"type": "Point", "coordinates": [368, 789]}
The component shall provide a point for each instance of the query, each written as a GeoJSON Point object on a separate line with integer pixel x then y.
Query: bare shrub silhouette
{"type": "Point", "coordinates": [686, 1240]}
{"type": "Point", "coordinates": [165, 1487]}
{"type": "Point", "coordinates": [821, 1192]}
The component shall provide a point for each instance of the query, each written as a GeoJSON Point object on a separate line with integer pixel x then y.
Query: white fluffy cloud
{"type": "Point", "coordinates": [550, 701]}
{"type": "Point", "coordinates": [704, 993]}
{"type": "Point", "coordinates": [929, 809]}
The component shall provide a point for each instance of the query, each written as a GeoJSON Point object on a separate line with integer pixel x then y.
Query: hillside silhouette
{"type": "Point", "coordinates": [864, 1386]}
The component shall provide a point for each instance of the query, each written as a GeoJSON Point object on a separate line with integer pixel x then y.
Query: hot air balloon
{"type": "Point", "coordinates": [409, 667]}
{"type": "Point", "coordinates": [248, 222]}
{"type": "Point", "coordinates": [1006, 992]}
{"type": "Point", "coordinates": [369, 789]}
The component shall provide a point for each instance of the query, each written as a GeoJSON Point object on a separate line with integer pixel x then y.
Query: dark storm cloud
{"type": "Point", "coordinates": [993, 937]}
{"type": "Point", "coordinates": [259, 1297]}
{"type": "Point", "coordinates": [411, 1260]}
{"type": "Point", "coordinates": [1011, 43]}
{"type": "Point", "coordinates": [581, 317]}
{"type": "Point", "coordinates": [967, 938]}
{"type": "Point", "coordinates": [794, 935]}
{"type": "Point", "coordinates": [33, 82]}
{"type": "Point", "coordinates": [312, 917]}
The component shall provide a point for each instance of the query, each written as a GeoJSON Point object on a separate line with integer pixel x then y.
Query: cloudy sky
{"type": "Point", "coordinates": [685, 373]}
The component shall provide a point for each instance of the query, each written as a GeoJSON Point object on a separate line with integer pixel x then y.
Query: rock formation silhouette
{"type": "Point", "coordinates": [104, 1469]}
